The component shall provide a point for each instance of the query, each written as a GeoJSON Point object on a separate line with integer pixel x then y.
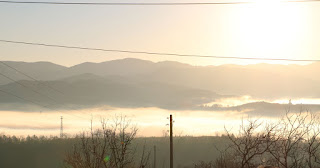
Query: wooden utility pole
{"type": "Point", "coordinates": [171, 143]}
{"type": "Point", "coordinates": [61, 128]}
{"type": "Point", "coordinates": [91, 123]}
{"type": "Point", "coordinates": [154, 156]}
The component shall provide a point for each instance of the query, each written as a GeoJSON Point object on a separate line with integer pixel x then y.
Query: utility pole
{"type": "Point", "coordinates": [154, 156]}
{"type": "Point", "coordinates": [171, 143]}
{"type": "Point", "coordinates": [61, 128]}
{"type": "Point", "coordinates": [91, 123]}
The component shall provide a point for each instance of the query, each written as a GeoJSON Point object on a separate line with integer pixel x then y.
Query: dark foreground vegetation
{"type": "Point", "coordinates": [290, 142]}
{"type": "Point", "coordinates": [37, 152]}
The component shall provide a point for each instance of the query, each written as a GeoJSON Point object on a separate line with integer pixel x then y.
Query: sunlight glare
{"type": "Point", "coordinates": [268, 29]}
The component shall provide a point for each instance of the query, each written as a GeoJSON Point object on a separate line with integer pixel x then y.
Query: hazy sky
{"type": "Point", "coordinates": [264, 29]}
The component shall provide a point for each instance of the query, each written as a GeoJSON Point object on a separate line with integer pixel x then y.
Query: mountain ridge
{"type": "Point", "coordinates": [179, 83]}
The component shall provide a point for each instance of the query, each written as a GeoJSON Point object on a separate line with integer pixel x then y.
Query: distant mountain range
{"type": "Point", "coordinates": [140, 83]}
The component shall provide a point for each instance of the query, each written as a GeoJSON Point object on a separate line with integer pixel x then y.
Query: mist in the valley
{"type": "Point", "coordinates": [203, 98]}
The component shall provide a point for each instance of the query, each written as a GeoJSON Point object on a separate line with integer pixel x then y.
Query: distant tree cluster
{"type": "Point", "coordinates": [7, 139]}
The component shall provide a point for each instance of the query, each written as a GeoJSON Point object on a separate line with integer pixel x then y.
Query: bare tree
{"type": "Point", "coordinates": [311, 141]}
{"type": "Point", "coordinates": [108, 147]}
{"type": "Point", "coordinates": [292, 142]}
{"type": "Point", "coordinates": [203, 164]}
{"type": "Point", "coordinates": [120, 142]}
{"type": "Point", "coordinates": [89, 152]}
{"type": "Point", "coordinates": [144, 159]}
{"type": "Point", "coordinates": [248, 144]}
{"type": "Point", "coordinates": [287, 149]}
{"type": "Point", "coordinates": [225, 160]}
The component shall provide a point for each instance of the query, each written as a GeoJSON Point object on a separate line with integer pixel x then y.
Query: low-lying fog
{"type": "Point", "coordinates": [150, 121]}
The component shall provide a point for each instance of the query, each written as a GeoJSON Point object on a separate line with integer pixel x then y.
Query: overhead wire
{"type": "Point", "coordinates": [21, 98]}
{"type": "Point", "coordinates": [144, 3]}
{"type": "Point", "coordinates": [24, 99]}
{"type": "Point", "coordinates": [30, 101]}
{"type": "Point", "coordinates": [25, 86]}
{"type": "Point", "coordinates": [121, 3]}
{"type": "Point", "coordinates": [39, 93]}
{"type": "Point", "coordinates": [158, 53]}
{"type": "Point", "coordinates": [30, 77]}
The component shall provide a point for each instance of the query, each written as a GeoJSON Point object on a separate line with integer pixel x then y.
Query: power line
{"type": "Point", "coordinates": [124, 4]}
{"type": "Point", "coordinates": [35, 91]}
{"type": "Point", "coordinates": [35, 103]}
{"type": "Point", "coordinates": [30, 101]}
{"type": "Point", "coordinates": [30, 77]}
{"type": "Point", "coordinates": [21, 98]}
{"type": "Point", "coordinates": [158, 53]}
{"type": "Point", "coordinates": [142, 3]}
{"type": "Point", "coordinates": [24, 99]}
{"type": "Point", "coordinates": [23, 85]}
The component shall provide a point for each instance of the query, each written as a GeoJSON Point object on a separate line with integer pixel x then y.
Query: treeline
{"type": "Point", "coordinates": [7, 139]}
{"type": "Point", "coordinates": [50, 152]}
{"type": "Point", "coordinates": [32, 151]}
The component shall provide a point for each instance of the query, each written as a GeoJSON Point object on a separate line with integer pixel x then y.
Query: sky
{"type": "Point", "coordinates": [265, 29]}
